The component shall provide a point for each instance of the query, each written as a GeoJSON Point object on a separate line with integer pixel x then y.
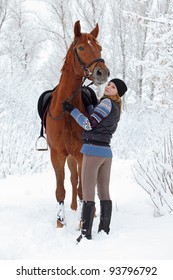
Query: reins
{"type": "Point", "coordinates": [68, 99]}
{"type": "Point", "coordinates": [77, 92]}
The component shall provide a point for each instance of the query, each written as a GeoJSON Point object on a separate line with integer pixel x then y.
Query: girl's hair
{"type": "Point", "coordinates": [117, 99]}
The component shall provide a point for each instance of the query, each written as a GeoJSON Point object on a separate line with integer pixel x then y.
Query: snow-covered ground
{"type": "Point", "coordinates": [28, 218]}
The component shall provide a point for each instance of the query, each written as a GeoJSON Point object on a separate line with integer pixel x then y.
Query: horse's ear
{"type": "Point", "coordinates": [95, 31]}
{"type": "Point", "coordinates": [77, 29]}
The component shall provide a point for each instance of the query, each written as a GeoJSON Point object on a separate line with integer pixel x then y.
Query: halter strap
{"type": "Point", "coordinates": [82, 64]}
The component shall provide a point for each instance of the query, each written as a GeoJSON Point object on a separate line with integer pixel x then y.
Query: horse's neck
{"type": "Point", "coordinates": [67, 86]}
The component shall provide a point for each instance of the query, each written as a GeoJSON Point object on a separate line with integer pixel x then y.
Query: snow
{"type": "Point", "coordinates": [28, 222]}
{"type": "Point", "coordinates": [31, 60]}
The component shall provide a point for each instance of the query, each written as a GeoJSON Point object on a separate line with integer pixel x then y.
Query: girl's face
{"type": "Point", "coordinates": [110, 89]}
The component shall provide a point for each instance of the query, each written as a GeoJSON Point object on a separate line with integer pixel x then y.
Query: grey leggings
{"type": "Point", "coordinates": [96, 171]}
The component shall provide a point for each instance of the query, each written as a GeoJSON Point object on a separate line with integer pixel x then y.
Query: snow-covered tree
{"type": "Point", "coordinates": [3, 12]}
{"type": "Point", "coordinates": [136, 38]}
{"type": "Point", "coordinates": [158, 75]}
{"type": "Point", "coordinates": [154, 174]}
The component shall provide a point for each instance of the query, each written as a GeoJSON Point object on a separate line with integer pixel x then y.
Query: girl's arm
{"type": "Point", "coordinates": [101, 111]}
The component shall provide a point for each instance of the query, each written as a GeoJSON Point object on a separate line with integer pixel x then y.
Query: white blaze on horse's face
{"type": "Point", "coordinates": [89, 42]}
{"type": "Point", "coordinates": [88, 53]}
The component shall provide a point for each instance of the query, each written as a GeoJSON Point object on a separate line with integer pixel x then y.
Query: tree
{"type": "Point", "coordinates": [136, 38]}
{"type": "Point", "coordinates": [155, 176]}
{"type": "Point", "coordinates": [158, 76]}
{"type": "Point", "coordinates": [3, 12]}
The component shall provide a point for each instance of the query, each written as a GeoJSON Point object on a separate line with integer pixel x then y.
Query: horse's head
{"type": "Point", "coordinates": [87, 56]}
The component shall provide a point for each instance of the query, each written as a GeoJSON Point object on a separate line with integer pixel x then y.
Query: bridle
{"type": "Point", "coordinates": [85, 68]}
{"type": "Point", "coordinates": [87, 74]}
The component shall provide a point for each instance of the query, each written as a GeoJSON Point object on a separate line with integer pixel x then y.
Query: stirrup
{"type": "Point", "coordinates": [79, 238]}
{"type": "Point", "coordinates": [41, 144]}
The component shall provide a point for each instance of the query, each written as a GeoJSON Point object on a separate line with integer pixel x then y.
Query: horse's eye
{"type": "Point", "coordinates": [80, 48]}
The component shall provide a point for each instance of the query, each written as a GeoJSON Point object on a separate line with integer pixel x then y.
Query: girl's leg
{"type": "Point", "coordinates": [103, 193]}
{"type": "Point", "coordinates": [103, 179]}
{"type": "Point", "coordinates": [90, 169]}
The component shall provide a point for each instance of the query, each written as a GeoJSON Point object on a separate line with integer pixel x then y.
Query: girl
{"type": "Point", "coordinates": [97, 154]}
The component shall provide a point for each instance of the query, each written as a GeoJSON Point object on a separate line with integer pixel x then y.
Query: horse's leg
{"type": "Point", "coordinates": [72, 165]}
{"type": "Point", "coordinates": [58, 163]}
{"type": "Point", "coordinates": [79, 190]}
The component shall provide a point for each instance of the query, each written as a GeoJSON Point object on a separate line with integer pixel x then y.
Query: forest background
{"type": "Point", "coordinates": [137, 41]}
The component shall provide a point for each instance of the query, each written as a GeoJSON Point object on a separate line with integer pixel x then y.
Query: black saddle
{"type": "Point", "coordinates": [43, 105]}
{"type": "Point", "coordinates": [42, 108]}
{"type": "Point", "coordinates": [45, 99]}
{"type": "Point", "coordinates": [89, 93]}
{"type": "Point", "coordinates": [44, 102]}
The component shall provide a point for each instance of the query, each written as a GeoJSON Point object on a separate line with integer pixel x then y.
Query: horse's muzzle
{"type": "Point", "coordinates": [100, 74]}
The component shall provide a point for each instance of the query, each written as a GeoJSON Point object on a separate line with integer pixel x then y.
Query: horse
{"type": "Point", "coordinates": [83, 61]}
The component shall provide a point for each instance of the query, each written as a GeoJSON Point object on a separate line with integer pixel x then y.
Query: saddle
{"type": "Point", "coordinates": [88, 93]}
{"type": "Point", "coordinates": [43, 106]}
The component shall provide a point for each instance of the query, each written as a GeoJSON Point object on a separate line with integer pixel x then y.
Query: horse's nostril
{"type": "Point", "coordinates": [99, 72]}
{"type": "Point", "coordinates": [108, 73]}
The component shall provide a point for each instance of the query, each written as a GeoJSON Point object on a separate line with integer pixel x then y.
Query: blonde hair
{"type": "Point", "coordinates": [117, 99]}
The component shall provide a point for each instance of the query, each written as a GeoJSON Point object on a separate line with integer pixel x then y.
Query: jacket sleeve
{"type": "Point", "coordinates": [90, 109]}
{"type": "Point", "coordinates": [101, 111]}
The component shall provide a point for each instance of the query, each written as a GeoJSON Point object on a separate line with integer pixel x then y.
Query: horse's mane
{"type": "Point", "coordinates": [66, 58]}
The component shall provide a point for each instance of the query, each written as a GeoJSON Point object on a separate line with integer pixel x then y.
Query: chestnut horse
{"type": "Point", "coordinates": [83, 60]}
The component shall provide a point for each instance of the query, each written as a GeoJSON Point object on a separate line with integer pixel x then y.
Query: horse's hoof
{"type": "Point", "coordinates": [59, 224]}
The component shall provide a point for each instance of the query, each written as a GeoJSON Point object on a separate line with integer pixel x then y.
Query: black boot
{"type": "Point", "coordinates": [88, 211]}
{"type": "Point", "coordinates": [105, 215]}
